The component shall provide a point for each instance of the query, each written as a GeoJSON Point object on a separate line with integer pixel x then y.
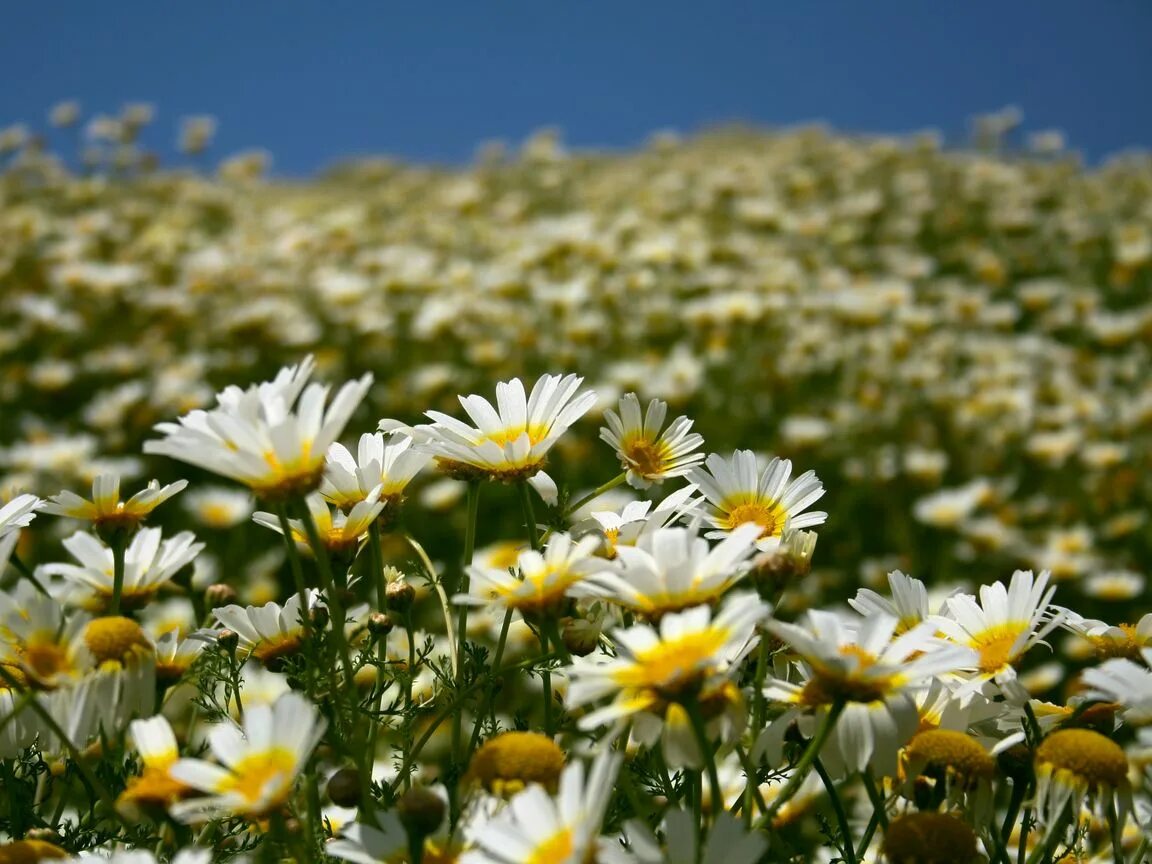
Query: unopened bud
{"type": "Point", "coordinates": [219, 594]}
{"type": "Point", "coordinates": [580, 635]}
{"type": "Point", "coordinates": [379, 624]}
{"type": "Point", "coordinates": [421, 811]}
{"type": "Point", "coordinates": [344, 787]}
{"type": "Point", "coordinates": [400, 595]}
{"type": "Point", "coordinates": [320, 617]}
{"type": "Point", "coordinates": [228, 640]}
{"type": "Point", "coordinates": [791, 560]}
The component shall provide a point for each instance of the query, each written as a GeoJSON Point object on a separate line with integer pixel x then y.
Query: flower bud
{"type": "Point", "coordinates": [344, 787]}
{"type": "Point", "coordinates": [228, 640]}
{"type": "Point", "coordinates": [400, 595]}
{"type": "Point", "coordinates": [219, 594]}
{"type": "Point", "coordinates": [379, 624]}
{"type": "Point", "coordinates": [421, 811]}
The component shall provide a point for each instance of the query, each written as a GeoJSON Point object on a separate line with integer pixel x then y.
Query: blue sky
{"type": "Point", "coordinates": [429, 81]}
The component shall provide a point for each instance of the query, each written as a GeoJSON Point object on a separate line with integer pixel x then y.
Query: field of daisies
{"type": "Point", "coordinates": [745, 498]}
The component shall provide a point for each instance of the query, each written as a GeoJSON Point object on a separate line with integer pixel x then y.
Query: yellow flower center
{"type": "Point", "coordinates": [505, 555]}
{"type": "Point", "coordinates": [831, 683]}
{"type": "Point", "coordinates": [647, 458]}
{"type": "Point", "coordinates": [275, 647]}
{"type": "Point", "coordinates": [216, 515]}
{"type": "Point", "coordinates": [943, 750]}
{"type": "Point", "coordinates": [996, 644]}
{"type": "Point", "coordinates": [915, 838]}
{"type": "Point", "coordinates": [115, 639]}
{"type": "Point", "coordinates": [1085, 754]}
{"type": "Point", "coordinates": [769, 515]}
{"type": "Point", "coordinates": [155, 787]}
{"type": "Point", "coordinates": [509, 762]}
{"type": "Point", "coordinates": [263, 778]}
{"type": "Point", "coordinates": [556, 848]}
{"type": "Point", "coordinates": [672, 666]}
{"type": "Point", "coordinates": [45, 659]}
{"type": "Point", "coordinates": [504, 437]}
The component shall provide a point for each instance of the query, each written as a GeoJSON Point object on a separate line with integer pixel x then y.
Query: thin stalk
{"type": "Point", "coordinates": [1025, 828]}
{"type": "Point", "coordinates": [1017, 797]}
{"type": "Point", "coordinates": [716, 799]}
{"type": "Point", "coordinates": [838, 809]}
{"type": "Point", "coordinates": [27, 573]}
{"type": "Point", "coordinates": [866, 840]}
{"type": "Point", "coordinates": [117, 572]}
{"type": "Point", "coordinates": [596, 493]}
{"type": "Point", "coordinates": [800, 771]}
{"type": "Point", "coordinates": [1052, 839]}
{"type": "Point", "coordinates": [529, 516]}
{"type": "Point", "coordinates": [462, 588]}
{"type": "Point", "coordinates": [296, 567]}
{"type": "Point", "coordinates": [546, 675]}
{"type": "Point", "coordinates": [438, 587]}
{"type": "Point", "coordinates": [339, 618]}
{"type": "Point", "coordinates": [875, 797]}
{"type": "Point", "coordinates": [493, 673]}
{"type": "Point", "coordinates": [751, 788]}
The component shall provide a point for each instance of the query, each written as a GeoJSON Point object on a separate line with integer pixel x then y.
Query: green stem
{"type": "Point", "coordinates": [462, 613]}
{"type": "Point", "coordinates": [117, 573]}
{"type": "Point", "coordinates": [875, 797]}
{"type": "Point", "coordinates": [751, 788]}
{"type": "Point", "coordinates": [493, 674]}
{"type": "Point", "coordinates": [546, 675]}
{"type": "Point", "coordinates": [800, 771]}
{"type": "Point", "coordinates": [529, 516]}
{"type": "Point", "coordinates": [1018, 792]}
{"type": "Point", "coordinates": [596, 493]}
{"type": "Point", "coordinates": [716, 799]}
{"type": "Point", "coordinates": [27, 573]}
{"type": "Point", "coordinates": [296, 567]}
{"type": "Point", "coordinates": [869, 832]}
{"type": "Point", "coordinates": [838, 809]}
{"type": "Point", "coordinates": [1043, 852]}
{"type": "Point", "coordinates": [339, 617]}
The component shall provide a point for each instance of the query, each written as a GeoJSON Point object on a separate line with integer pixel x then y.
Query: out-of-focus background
{"type": "Point", "coordinates": [316, 81]}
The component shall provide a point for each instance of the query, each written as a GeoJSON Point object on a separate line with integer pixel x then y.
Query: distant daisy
{"type": "Point", "coordinates": [349, 479]}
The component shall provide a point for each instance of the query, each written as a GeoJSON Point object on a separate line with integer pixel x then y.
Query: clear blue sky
{"type": "Point", "coordinates": [316, 81]}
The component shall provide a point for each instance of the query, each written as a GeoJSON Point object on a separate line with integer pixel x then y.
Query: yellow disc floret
{"type": "Point", "coordinates": [1089, 756]}
{"type": "Point", "coordinates": [947, 751]}
{"type": "Point", "coordinates": [115, 639]}
{"type": "Point", "coordinates": [507, 763]}
{"type": "Point", "coordinates": [929, 838]}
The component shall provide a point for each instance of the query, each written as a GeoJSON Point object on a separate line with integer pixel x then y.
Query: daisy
{"type": "Point", "coordinates": [674, 568]}
{"type": "Point", "coordinates": [175, 656]}
{"type": "Point", "coordinates": [1002, 626]}
{"type": "Point", "coordinates": [542, 582]}
{"type": "Point", "coordinates": [561, 829]}
{"type": "Point", "coordinates": [909, 604]}
{"type": "Point", "coordinates": [260, 761]}
{"type": "Point", "coordinates": [1125, 682]}
{"type": "Point", "coordinates": [18, 513]}
{"type": "Point", "coordinates": [647, 454]}
{"type": "Point", "coordinates": [639, 518]}
{"type": "Point", "coordinates": [271, 437]}
{"type": "Point", "coordinates": [218, 507]}
{"type": "Point", "coordinates": [149, 564]}
{"type": "Point", "coordinates": [349, 480]}
{"type": "Point", "coordinates": [39, 643]}
{"type": "Point", "coordinates": [156, 743]}
{"type": "Point", "coordinates": [740, 492]}
{"type": "Point", "coordinates": [1079, 766]}
{"type": "Point", "coordinates": [269, 632]}
{"type": "Point", "coordinates": [341, 533]}
{"type": "Point", "coordinates": [691, 655]}
{"type": "Point", "coordinates": [106, 511]}
{"type": "Point", "coordinates": [511, 441]}
{"type": "Point", "coordinates": [867, 672]}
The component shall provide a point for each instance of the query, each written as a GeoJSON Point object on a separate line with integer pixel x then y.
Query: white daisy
{"type": "Point", "coordinates": [260, 761]}
{"type": "Point", "coordinates": [647, 454]}
{"type": "Point", "coordinates": [740, 492]}
{"type": "Point", "coordinates": [272, 437]}
{"type": "Point", "coordinates": [349, 480]}
{"type": "Point", "coordinates": [18, 513]}
{"type": "Point", "coordinates": [106, 511]}
{"type": "Point", "coordinates": [509, 442]}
